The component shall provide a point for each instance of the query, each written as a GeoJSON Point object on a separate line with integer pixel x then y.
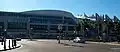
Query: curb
{"type": "Point", "coordinates": [105, 43]}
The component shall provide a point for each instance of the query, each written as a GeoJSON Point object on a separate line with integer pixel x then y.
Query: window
{"type": "Point", "coordinates": [38, 20]}
{"type": "Point", "coordinates": [67, 17]}
{"type": "Point", "coordinates": [64, 28]}
{"type": "Point", "coordinates": [53, 27]}
{"type": "Point", "coordinates": [71, 28]}
{"type": "Point", "coordinates": [54, 17]}
{"type": "Point", "coordinates": [55, 21]}
{"type": "Point", "coordinates": [17, 25]}
{"type": "Point", "coordinates": [2, 24]}
{"type": "Point", "coordinates": [39, 27]}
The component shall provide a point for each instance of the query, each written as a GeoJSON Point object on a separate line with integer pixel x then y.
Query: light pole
{"type": "Point", "coordinates": [60, 30]}
{"type": "Point", "coordinates": [30, 34]}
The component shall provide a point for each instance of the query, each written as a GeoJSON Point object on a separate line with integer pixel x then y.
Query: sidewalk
{"type": "Point", "coordinates": [109, 43]}
{"type": "Point", "coordinates": [72, 43]}
{"type": "Point", "coordinates": [68, 43]}
{"type": "Point", "coordinates": [7, 45]}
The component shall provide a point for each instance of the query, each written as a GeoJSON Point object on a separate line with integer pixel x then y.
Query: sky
{"type": "Point", "coordinates": [110, 7]}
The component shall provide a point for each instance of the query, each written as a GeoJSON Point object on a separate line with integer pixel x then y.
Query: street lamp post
{"type": "Point", "coordinates": [60, 29]}
{"type": "Point", "coordinates": [30, 34]}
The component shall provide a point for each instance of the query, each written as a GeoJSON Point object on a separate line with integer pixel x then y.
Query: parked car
{"type": "Point", "coordinates": [79, 40]}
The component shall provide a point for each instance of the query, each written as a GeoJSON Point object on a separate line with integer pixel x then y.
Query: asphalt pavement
{"type": "Point", "coordinates": [65, 46]}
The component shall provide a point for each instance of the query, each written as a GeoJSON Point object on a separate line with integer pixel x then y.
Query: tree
{"type": "Point", "coordinates": [78, 27]}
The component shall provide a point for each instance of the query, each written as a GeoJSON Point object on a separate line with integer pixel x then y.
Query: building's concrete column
{"type": "Point", "coordinates": [48, 28]}
{"type": "Point", "coordinates": [28, 26]}
{"type": "Point", "coordinates": [63, 20]}
{"type": "Point", "coordinates": [67, 27]}
{"type": "Point", "coordinates": [5, 24]}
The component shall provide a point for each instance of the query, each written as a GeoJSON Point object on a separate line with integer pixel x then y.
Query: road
{"type": "Point", "coordinates": [66, 46]}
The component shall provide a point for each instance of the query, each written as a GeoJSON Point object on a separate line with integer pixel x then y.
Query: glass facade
{"type": "Point", "coordinates": [53, 27]}
{"type": "Point", "coordinates": [69, 20]}
{"type": "Point", "coordinates": [39, 27]}
{"type": "Point", "coordinates": [38, 20]}
{"type": "Point", "coordinates": [55, 21]}
{"type": "Point", "coordinates": [71, 28]}
{"type": "Point", "coordinates": [64, 28]}
{"type": "Point", "coordinates": [20, 22]}
{"type": "Point", "coordinates": [54, 17]}
{"type": "Point", "coordinates": [2, 25]}
{"type": "Point", "coordinates": [17, 25]}
{"type": "Point", "coordinates": [46, 19]}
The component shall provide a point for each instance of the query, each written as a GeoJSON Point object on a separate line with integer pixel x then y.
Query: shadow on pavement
{"type": "Point", "coordinates": [71, 45]}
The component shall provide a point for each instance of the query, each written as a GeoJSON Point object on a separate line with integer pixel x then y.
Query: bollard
{"type": "Point", "coordinates": [15, 43]}
{"type": "Point", "coordinates": [59, 40]}
{"type": "Point", "coordinates": [12, 44]}
{"type": "Point", "coordinates": [9, 44]}
{"type": "Point", "coordinates": [4, 44]}
{"type": "Point", "coordinates": [1, 43]}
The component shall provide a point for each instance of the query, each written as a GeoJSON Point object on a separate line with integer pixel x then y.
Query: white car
{"type": "Point", "coordinates": [79, 40]}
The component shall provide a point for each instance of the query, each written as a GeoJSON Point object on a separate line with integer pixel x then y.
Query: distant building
{"type": "Point", "coordinates": [38, 23]}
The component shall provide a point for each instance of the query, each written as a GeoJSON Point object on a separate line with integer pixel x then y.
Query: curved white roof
{"type": "Point", "coordinates": [49, 13]}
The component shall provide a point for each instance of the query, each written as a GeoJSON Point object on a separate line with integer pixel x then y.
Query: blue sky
{"type": "Point", "coordinates": [110, 7]}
